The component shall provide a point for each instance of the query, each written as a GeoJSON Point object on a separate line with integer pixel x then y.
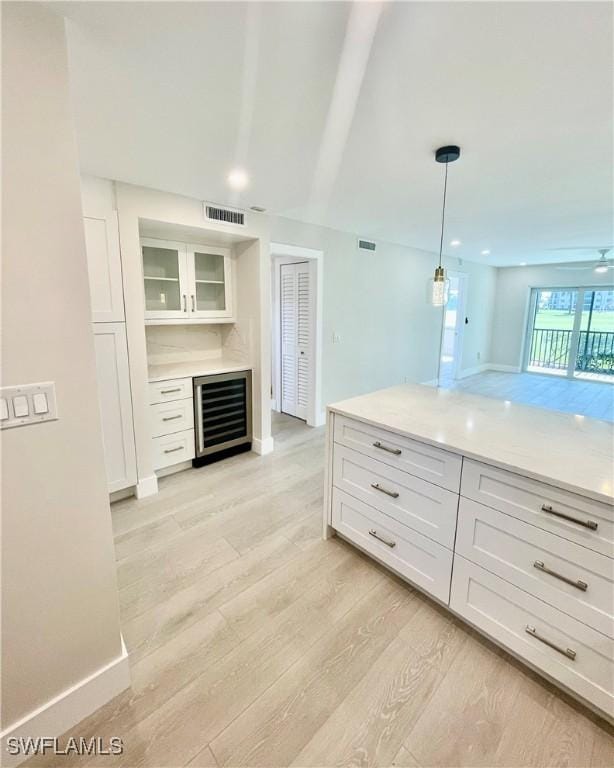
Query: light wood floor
{"type": "Point", "coordinates": [255, 643]}
{"type": "Point", "coordinates": [594, 399]}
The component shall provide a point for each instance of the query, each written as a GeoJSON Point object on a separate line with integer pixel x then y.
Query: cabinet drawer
{"type": "Point", "coordinates": [433, 464]}
{"type": "Point", "coordinates": [420, 560]}
{"type": "Point", "coordinates": [172, 389]}
{"type": "Point", "coordinates": [167, 418]}
{"type": "Point", "coordinates": [540, 563]}
{"type": "Point", "coordinates": [420, 505]}
{"type": "Point", "coordinates": [586, 522]}
{"type": "Point", "coordinates": [173, 449]}
{"type": "Point", "coordinates": [536, 632]}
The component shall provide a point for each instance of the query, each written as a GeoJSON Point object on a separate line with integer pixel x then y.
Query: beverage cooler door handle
{"type": "Point", "coordinates": [198, 394]}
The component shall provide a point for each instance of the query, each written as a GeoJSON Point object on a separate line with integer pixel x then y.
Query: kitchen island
{"type": "Point", "coordinates": [503, 513]}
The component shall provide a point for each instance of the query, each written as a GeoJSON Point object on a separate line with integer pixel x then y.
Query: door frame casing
{"type": "Point", "coordinates": [291, 254]}
{"type": "Point", "coordinates": [463, 279]}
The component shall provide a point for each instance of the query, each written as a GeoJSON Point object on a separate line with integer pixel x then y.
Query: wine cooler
{"type": "Point", "coordinates": [222, 415]}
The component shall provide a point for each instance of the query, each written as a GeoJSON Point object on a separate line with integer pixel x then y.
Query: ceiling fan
{"type": "Point", "coordinates": [600, 266]}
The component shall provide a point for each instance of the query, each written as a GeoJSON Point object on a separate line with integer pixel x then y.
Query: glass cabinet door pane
{"type": "Point", "coordinates": [161, 275]}
{"type": "Point", "coordinates": [160, 262]}
{"type": "Point", "coordinates": [162, 295]}
{"type": "Point", "coordinates": [210, 297]}
{"type": "Point", "coordinates": [209, 267]}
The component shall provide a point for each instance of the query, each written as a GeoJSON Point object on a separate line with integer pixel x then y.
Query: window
{"type": "Point", "coordinates": [571, 332]}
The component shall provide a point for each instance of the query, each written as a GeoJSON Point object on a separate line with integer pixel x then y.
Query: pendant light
{"type": "Point", "coordinates": [439, 290]}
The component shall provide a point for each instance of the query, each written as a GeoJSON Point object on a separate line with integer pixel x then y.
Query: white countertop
{"type": "Point", "coordinates": [185, 368]}
{"type": "Point", "coordinates": [571, 452]}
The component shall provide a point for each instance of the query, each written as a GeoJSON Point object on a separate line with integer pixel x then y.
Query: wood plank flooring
{"type": "Point", "coordinates": [255, 643]}
{"type": "Point", "coordinates": [594, 399]}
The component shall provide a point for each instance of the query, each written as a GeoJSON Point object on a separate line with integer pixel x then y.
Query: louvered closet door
{"type": "Point", "coordinates": [296, 332]}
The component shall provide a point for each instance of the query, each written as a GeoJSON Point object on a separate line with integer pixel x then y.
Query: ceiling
{"type": "Point", "coordinates": [335, 109]}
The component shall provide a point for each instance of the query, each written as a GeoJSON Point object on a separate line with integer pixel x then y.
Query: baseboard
{"type": "Point", "coordinates": [174, 468]}
{"type": "Point", "coordinates": [147, 486]}
{"type": "Point", "coordinates": [504, 368]}
{"type": "Point", "coordinates": [466, 372]}
{"type": "Point", "coordinates": [66, 710]}
{"type": "Point", "coordinates": [262, 447]}
{"type": "Point", "coordinates": [125, 493]}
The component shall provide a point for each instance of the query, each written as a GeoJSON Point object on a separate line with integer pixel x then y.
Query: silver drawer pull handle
{"type": "Point", "coordinates": [172, 450]}
{"type": "Point", "coordinates": [171, 418]}
{"type": "Point", "coordinates": [168, 391]}
{"type": "Point", "coordinates": [586, 523]}
{"type": "Point", "coordinates": [374, 533]}
{"type": "Point", "coordinates": [396, 451]}
{"type": "Point", "coordinates": [565, 651]}
{"type": "Point", "coordinates": [577, 584]}
{"type": "Point", "coordinates": [378, 487]}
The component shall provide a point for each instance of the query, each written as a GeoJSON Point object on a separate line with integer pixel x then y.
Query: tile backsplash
{"type": "Point", "coordinates": [176, 343]}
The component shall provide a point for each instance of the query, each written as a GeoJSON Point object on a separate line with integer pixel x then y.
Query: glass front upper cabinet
{"type": "Point", "coordinates": [211, 281]}
{"type": "Point", "coordinates": [185, 282]}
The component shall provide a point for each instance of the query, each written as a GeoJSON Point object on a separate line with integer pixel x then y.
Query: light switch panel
{"type": "Point", "coordinates": [27, 404]}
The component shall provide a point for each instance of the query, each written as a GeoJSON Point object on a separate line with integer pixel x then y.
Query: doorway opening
{"type": "Point", "coordinates": [571, 333]}
{"type": "Point", "coordinates": [296, 325]}
{"type": "Point", "coordinates": [452, 328]}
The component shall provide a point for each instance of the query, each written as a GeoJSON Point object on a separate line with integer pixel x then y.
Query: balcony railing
{"type": "Point", "coordinates": [550, 350]}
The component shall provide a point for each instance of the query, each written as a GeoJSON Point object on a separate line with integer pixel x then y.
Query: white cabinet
{"type": "Point", "coordinates": [115, 404]}
{"type": "Point", "coordinates": [209, 276]}
{"type": "Point", "coordinates": [104, 266]}
{"type": "Point", "coordinates": [185, 283]}
{"type": "Point", "coordinates": [171, 415]}
{"type": "Point", "coordinates": [528, 564]}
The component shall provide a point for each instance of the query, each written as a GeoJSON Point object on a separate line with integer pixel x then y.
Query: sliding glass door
{"type": "Point", "coordinates": [571, 333]}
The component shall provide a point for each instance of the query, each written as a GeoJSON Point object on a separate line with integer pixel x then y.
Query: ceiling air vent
{"type": "Point", "coordinates": [366, 245]}
{"type": "Point", "coordinates": [224, 215]}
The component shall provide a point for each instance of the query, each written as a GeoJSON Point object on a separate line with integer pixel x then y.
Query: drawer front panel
{"type": "Point", "coordinates": [540, 563]}
{"type": "Point", "coordinates": [167, 418]}
{"type": "Point", "coordinates": [541, 505]}
{"type": "Point", "coordinates": [420, 560]}
{"type": "Point", "coordinates": [536, 632]}
{"type": "Point", "coordinates": [173, 449]}
{"type": "Point", "coordinates": [422, 506]}
{"type": "Point", "coordinates": [433, 464]}
{"type": "Point", "coordinates": [173, 389]}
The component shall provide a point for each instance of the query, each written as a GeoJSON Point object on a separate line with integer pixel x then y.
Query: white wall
{"type": "Point", "coordinates": [60, 619]}
{"type": "Point", "coordinates": [512, 299]}
{"type": "Point", "coordinates": [378, 304]}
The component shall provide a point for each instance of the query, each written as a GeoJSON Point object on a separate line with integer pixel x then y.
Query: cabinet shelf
{"type": "Point", "coordinates": [210, 282]}
{"type": "Point", "coordinates": [165, 279]}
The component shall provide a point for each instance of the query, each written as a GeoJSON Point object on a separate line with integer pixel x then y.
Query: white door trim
{"type": "Point", "coordinates": [463, 279]}
{"type": "Point", "coordinates": [288, 254]}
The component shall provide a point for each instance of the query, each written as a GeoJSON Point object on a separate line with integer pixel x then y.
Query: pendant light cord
{"type": "Point", "coordinates": [443, 218]}
{"type": "Point", "coordinates": [443, 212]}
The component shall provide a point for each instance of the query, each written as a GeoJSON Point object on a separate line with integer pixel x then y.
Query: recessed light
{"type": "Point", "coordinates": [454, 243]}
{"type": "Point", "coordinates": [523, 263]}
{"type": "Point", "coordinates": [485, 252]}
{"type": "Point", "coordinates": [238, 178]}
